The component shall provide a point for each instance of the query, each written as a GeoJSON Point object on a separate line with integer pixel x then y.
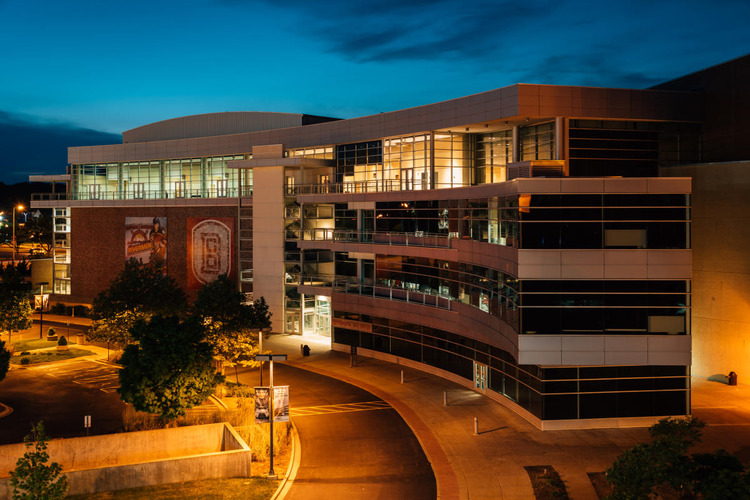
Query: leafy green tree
{"type": "Point", "coordinates": [170, 368]}
{"type": "Point", "coordinates": [222, 307]}
{"type": "Point", "coordinates": [32, 478]}
{"type": "Point", "coordinates": [664, 461]}
{"type": "Point", "coordinates": [37, 230]}
{"type": "Point", "coordinates": [4, 360]}
{"type": "Point", "coordinates": [15, 307]}
{"type": "Point", "coordinates": [114, 328]}
{"type": "Point", "coordinates": [232, 326]}
{"type": "Point", "coordinates": [138, 292]}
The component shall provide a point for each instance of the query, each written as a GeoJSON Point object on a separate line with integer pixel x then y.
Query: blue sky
{"type": "Point", "coordinates": [110, 66]}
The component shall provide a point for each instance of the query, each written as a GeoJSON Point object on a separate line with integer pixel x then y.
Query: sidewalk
{"type": "Point", "coordinates": [490, 465]}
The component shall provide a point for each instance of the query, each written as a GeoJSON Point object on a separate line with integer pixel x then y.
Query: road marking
{"type": "Point", "coordinates": [340, 408]}
{"type": "Point", "coordinates": [95, 378]}
{"type": "Point", "coordinates": [714, 407]}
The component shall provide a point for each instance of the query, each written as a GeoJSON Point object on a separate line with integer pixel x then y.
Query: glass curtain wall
{"type": "Point", "coordinates": [453, 159]}
{"type": "Point", "coordinates": [538, 142]}
{"type": "Point", "coordinates": [178, 178]}
{"type": "Point", "coordinates": [407, 162]}
{"type": "Point", "coordinates": [494, 152]}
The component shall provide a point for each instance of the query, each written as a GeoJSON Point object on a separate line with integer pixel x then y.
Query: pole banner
{"type": "Point", "coordinates": [281, 403]}
{"type": "Point", "coordinates": [262, 410]}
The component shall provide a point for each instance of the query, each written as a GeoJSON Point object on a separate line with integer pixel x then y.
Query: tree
{"type": "Point", "coordinates": [38, 230]}
{"type": "Point", "coordinates": [15, 307]}
{"type": "Point", "coordinates": [640, 470]}
{"type": "Point", "coordinates": [4, 360]}
{"type": "Point", "coordinates": [232, 326]}
{"type": "Point", "coordinates": [138, 292]}
{"type": "Point", "coordinates": [32, 478]}
{"type": "Point", "coordinates": [114, 328]}
{"type": "Point", "coordinates": [170, 369]}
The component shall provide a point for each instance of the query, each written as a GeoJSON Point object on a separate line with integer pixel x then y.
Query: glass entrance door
{"type": "Point", "coordinates": [323, 316]}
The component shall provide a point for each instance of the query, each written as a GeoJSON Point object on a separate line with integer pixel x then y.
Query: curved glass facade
{"type": "Point", "coordinates": [549, 393]}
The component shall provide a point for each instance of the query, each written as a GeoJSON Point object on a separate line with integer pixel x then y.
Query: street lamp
{"type": "Point", "coordinates": [270, 358]}
{"type": "Point", "coordinates": [261, 332]}
{"type": "Point", "coordinates": [13, 240]}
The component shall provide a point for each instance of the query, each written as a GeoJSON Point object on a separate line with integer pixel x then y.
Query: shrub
{"type": "Point", "coordinates": [50, 332]}
{"type": "Point", "coordinates": [79, 311]}
{"type": "Point", "coordinates": [25, 361]}
{"type": "Point", "coordinates": [25, 353]}
{"type": "Point", "coordinates": [62, 341]}
{"type": "Point", "coordinates": [58, 308]}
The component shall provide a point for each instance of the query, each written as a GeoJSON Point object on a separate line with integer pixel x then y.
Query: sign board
{"type": "Point", "coordinates": [87, 421]}
{"type": "Point", "coordinates": [262, 405]}
{"type": "Point", "coordinates": [270, 357]}
{"type": "Point", "coordinates": [41, 301]}
{"type": "Point", "coordinates": [281, 403]}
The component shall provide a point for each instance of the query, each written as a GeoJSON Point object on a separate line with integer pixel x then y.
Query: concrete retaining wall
{"type": "Point", "coordinates": [129, 460]}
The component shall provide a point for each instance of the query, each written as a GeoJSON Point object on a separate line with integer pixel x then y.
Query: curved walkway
{"type": "Point", "coordinates": [489, 465]}
{"type": "Point", "coordinates": [353, 445]}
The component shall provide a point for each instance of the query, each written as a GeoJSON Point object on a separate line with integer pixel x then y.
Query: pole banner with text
{"type": "Point", "coordinates": [262, 402]}
{"type": "Point", "coordinates": [281, 403]}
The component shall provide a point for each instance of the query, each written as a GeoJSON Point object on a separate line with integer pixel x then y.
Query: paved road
{"type": "Point", "coordinates": [60, 394]}
{"type": "Point", "coordinates": [354, 445]}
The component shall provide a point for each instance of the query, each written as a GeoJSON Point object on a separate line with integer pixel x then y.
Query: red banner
{"type": "Point", "coordinates": [210, 249]}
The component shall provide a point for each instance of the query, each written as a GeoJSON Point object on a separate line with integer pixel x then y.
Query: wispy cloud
{"type": "Point", "coordinates": [394, 30]}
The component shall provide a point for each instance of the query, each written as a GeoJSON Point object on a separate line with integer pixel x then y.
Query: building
{"type": "Point", "coordinates": [520, 241]}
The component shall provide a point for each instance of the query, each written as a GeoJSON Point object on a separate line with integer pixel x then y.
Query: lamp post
{"type": "Point", "coordinates": [260, 350]}
{"type": "Point", "coordinates": [41, 307]}
{"type": "Point", "coordinates": [270, 358]}
{"type": "Point", "coordinates": [13, 240]}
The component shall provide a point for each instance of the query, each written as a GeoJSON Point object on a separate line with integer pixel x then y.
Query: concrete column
{"type": "Point", "coordinates": [560, 138]}
{"type": "Point", "coordinates": [516, 156]}
{"type": "Point", "coordinates": [268, 240]}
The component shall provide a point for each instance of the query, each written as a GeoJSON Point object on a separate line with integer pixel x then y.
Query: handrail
{"type": "Point", "coordinates": [369, 186]}
{"type": "Point", "coordinates": [416, 238]}
{"type": "Point", "coordinates": [378, 291]}
{"type": "Point", "coordinates": [143, 195]}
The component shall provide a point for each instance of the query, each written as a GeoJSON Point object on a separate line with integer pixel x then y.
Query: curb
{"type": "Point", "coordinates": [291, 471]}
{"type": "Point", "coordinates": [446, 478]}
{"type": "Point", "coordinates": [218, 402]}
{"type": "Point", "coordinates": [5, 410]}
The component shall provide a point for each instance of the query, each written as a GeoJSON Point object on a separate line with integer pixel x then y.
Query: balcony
{"type": "Point", "coordinates": [414, 239]}
{"type": "Point", "coordinates": [96, 195]}
{"type": "Point", "coordinates": [341, 284]}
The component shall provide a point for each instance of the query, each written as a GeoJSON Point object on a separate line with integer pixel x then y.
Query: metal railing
{"type": "Point", "coordinates": [370, 186]}
{"type": "Point", "coordinates": [415, 239]}
{"type": "Point", "coordinates": [378, 291]}
{"type": "Point", "coordinates": [143, 195]}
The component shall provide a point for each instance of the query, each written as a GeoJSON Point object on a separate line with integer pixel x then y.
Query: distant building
{"type": "Point", "coordinates": [520, 241]}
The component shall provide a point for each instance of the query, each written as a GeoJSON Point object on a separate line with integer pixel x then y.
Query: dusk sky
{"type": "Point", "coordinates": [74, 71]}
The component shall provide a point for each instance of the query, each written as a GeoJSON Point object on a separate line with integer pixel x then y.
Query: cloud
{"type": "Point", "coordinates": [32, 145]}
{"type": "Point", "coordinates": [394, 30]}
{"type": "Point", "coordinates": [596, 68]}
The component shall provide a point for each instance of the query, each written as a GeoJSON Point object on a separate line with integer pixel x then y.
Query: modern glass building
{"type": "Point", "coordinates": [520, 241]}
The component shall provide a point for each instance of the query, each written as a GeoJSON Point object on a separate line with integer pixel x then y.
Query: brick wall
{"type": "Point", "coordinates": [98, 243]}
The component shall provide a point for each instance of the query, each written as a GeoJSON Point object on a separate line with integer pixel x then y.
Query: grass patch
{"type": "Point", "coordinates": [546, 483]}
{"type": "Point", "coordinates": [239, 488]}
{"type": "Point", "coordinates": [48, 356]}
{"type": "Point", "coordinates": [31, 344]}
{"type": "Point", "coordinates": [601, 485]}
